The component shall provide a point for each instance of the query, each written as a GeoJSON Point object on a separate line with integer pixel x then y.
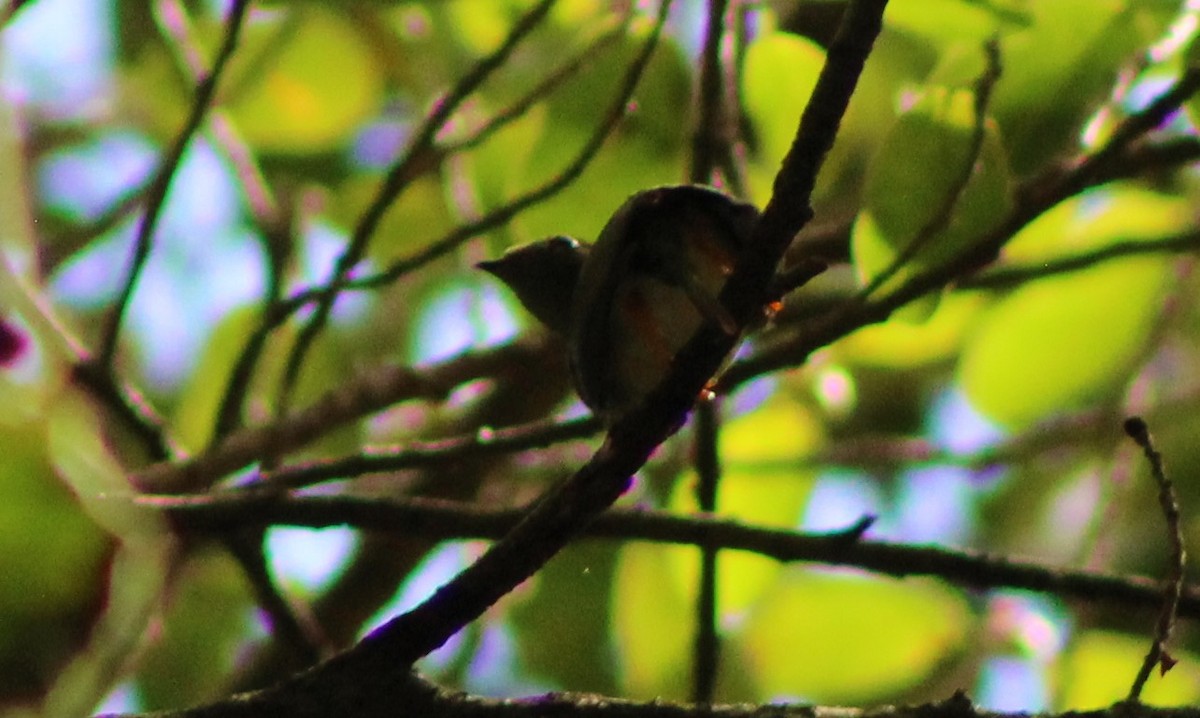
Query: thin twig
{"type": "Point", "coordinates": [942, 216]}
{"type": "Point", "coordinates": [540, 91]}
{"type": "Point", "coordinates": [709, 144]}
{"type": "Point", "coordinates": [156, 193]}
{"type": "Point", "coordinates": [707, 653]}
{"type": "Point", "coordinates": [369, 392]}
{"type": "Point", "coordinates": [398, 178]}
{"type": "Point", "coordinates": [417, 456]}
{"type": "Point", "coordinates": [1136, 428]}
{"type": "Point", "coordinates": [709, 139]}
{"type": "Point", "coordinates": [11, 9]}
{"type": "Point", "coordinates": [290, 624]}
{"type": "Point", "coordinates": [1007, 277]}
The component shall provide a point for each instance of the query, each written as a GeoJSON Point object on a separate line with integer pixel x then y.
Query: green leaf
{"type": "Point", "coordinates": [952, 22]}
{"type": "Point", "coordinates": [1098, 670]}
{"type": "Point", "coordinates": [417, 217]}
{"type": "Point", "coordinates": [652, 628]}
{"type": "Point", "coordinates": [140, 566]}
{"type": "Point", "coordinates": [1053, 80]}
{"type": "Point", "coordinates": [774, 61]}
{"type": "Point", "coordinates": [899, 343]}
{"type": "Point", "coordinates": [569, 606]}
{"type": "Point", "coordinates": [1057, 344]}
{"type": "Point", "coordinates": [643, 151]}
{"type": "Point", "coordinates": [1098, 219]}
{"type": "Point", "coordinates": [54, 558]}
{"type": "Point", "coordinates": [1060, 342]}
{"type": "Point", "coordinates": [838, 638]}
{"type": "Point", "coordinates": [302, 82]}
{"type": "Point", "coordinates": [209, 619]}
{"type": "Point", "coordinates": [913, 180]}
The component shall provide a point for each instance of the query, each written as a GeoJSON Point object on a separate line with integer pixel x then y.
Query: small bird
{"type": "Point", "coordinates": [628, 303]}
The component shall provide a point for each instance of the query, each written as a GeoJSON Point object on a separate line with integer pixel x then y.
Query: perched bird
{"type": "Point", "coordinates": [543, 275]}
{"type": "Point", "coordinates": [628, 303]}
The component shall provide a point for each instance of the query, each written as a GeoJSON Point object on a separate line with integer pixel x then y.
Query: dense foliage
{"type": "Point", "coordinates": [259, 400]}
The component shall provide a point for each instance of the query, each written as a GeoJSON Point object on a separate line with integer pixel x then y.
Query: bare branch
{"type": "Point", "coordinates": [1172, 595]}
{"type": "Point", "coordinates": [402, 173]}
{"type": "Point", "coordinates": [156, 192]}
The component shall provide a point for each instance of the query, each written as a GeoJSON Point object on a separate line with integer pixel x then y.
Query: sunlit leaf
{"type": "Point", "coordinates": [773, 61]}
{"type": "Point", "coordinates": [1056, 344]}
{"type": "Point", "coordinates": [652, 621]}
{"type": "Point", "coordinates": [1103, 217]}
{"type": "Point", "coordinates": [303, 82]}
{"type": "Point", "coordinates": [209, 617]}
{"type": "Point", "coordinates": [835, 638]}
{"type": "Point", "coordinates": [915, 180]}
{"type": "Point", "coordinates": [1098, 670]}
{"type": "Point", "coordinates": [946, 22]}
{"type": "Point", "coordinates": [900, 343]}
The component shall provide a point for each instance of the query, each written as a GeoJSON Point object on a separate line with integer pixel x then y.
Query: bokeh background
{"type": "Point", "coordinates": [981, 417]}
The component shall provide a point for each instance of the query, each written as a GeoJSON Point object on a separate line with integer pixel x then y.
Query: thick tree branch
{"type": "Point", "coordinates": [441, 520]}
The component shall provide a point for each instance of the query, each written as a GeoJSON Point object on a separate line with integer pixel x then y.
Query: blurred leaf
{"type": "Point", "coordinates": [777, 60]}
{"type": "Point", "coordinates": [1062, 66]}
{"type": "Point", "coordinates": [140, 566]}
{"type": "Point", "coordinates": [303, 82]}
{"type": "Point", "coordinates": [899, 343]}
{"type": "Point", "coordinates": [202, 392]}
{"type": "Point", "coordinates": [1098, 670]}
{"type": "Point", "coordinates": [420, 215]}
{"type": "Point", "coordinates": [1057, 343]}
{"type": "Point", "coordinates": [54, 560]}
{"type": "Point", "coordinates": [499, 164]}
{"type": "Point", "coordinates": [915, 174]}
{"type": "Point", "coordinates": [562, 629]}
{"type": "Point", "coordinates": [643, 151]}
{"type": "Point", "coordinates": [1097, 219]}
{"type": "Point", "coordinates": [208, 620]}
{"type": "Point", "coordinates": [838, 638]}
{"type": "Point", "coordinates": [952, 22]}
{"type": "Point", "coordinates": [653, 621]}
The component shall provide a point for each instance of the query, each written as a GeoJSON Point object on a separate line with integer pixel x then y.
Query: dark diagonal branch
{"type": "Point", "coordinates": [156, 192]}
